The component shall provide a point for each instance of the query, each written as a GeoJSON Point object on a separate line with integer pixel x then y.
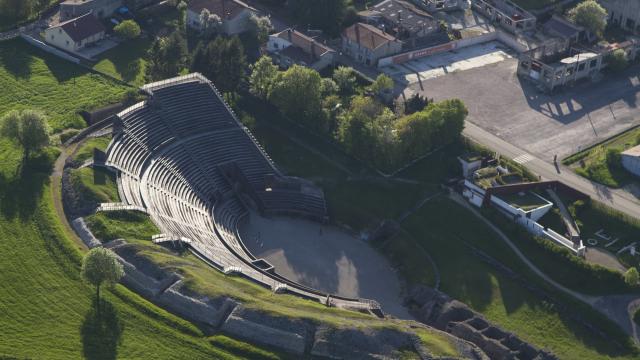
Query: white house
{"type": "Point", "coordinates": [73, 35]}
{"type": "Point", "coordinates": [631, 160]}
{"type": "Point", "coordinates": [234, 14]}
{"type": "Point", "coordinates": [290, 47]}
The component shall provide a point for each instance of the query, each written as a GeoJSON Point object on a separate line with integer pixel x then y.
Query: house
{"type": "Point", "coordinates": [631, 160]}
{"type": "Point", "coordinates": [623, 13]}
{"type": "Point", "coordinates": [508, 15]}
{"type": "Point", "coordinates": [234, 14]}
{"type": "Point", "coordinates": [75, 34]}
{"type": "Point", "coordinates": [70, 9]}
{"type": "Point", "coordinates": [401, 18]}
{"type": "Point", "coordinates": [290, 47]}
{"type": "Point", "coordinates": [367, 44]}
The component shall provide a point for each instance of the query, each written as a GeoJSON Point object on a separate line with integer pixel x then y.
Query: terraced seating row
{"type": "Point", "coordinates": [170, 153]}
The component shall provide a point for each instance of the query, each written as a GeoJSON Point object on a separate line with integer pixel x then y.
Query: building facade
{"type": "Point", "coordinates": [290, 47]}
{"type": "Point", "coordinates": [367, 44]}
{"type": "Point", "coordinates": [631, 160]}
{"type": "Point", "coordinates": [623, 13]}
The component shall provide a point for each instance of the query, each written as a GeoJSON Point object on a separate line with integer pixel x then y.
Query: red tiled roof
{"type": "Point", "coordinates": [367, 35]}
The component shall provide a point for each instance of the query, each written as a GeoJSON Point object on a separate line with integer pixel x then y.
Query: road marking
{"type": "Point", "coordinates": [523, 159]}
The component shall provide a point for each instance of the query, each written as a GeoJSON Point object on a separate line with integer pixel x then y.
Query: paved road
{"type": "Point", "coordinates": [618, 199]}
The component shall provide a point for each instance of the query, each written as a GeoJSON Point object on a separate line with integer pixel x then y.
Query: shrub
{"type": "Point", "coordinates": [617, 61]}
{"type": "Point", "coordinates": [614, 158]}
{"type": "Point", "coordinates": [127, 29]}
{"type": "Point", "coordinates": [631, 277]}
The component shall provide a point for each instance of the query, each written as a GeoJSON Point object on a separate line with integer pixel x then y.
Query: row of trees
{"type": "Point", "coordinates": [363, 125]}
{"type": "Point", "coordinates": [18, 10]}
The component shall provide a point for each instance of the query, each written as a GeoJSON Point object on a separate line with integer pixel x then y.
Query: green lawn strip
{"type": "Point", "coordinates": [247, 350]}
{"type": "Point", "coordinates": [37, 80]}
{"type": "Point", "coordinates": [85, 150]}
{"type": "Point", "coordinates": [437, 227]}
{"type": "Point", "coordinates": [575, 274]}
{"type": "Point", "coordinates": [592, 163]}
{"type": "Point", "coordinates": [95, 184]}
{"type": "Point", "coordinates": [126, 61]}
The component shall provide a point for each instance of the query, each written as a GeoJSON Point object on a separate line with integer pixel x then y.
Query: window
{"type": "Point", "coordinates": [593, 64]}
{"type": "Point", "coordinates": [581, 67]}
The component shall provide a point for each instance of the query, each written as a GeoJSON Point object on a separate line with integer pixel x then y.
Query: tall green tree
{"type": "Point", "coordinates": [101, 266]}
{"type": "Point", "coordinates": [28, 128]}
{"type": "Point", "coordinates": [590, 15]}
{"type": "Point", "coordinates": [263, 76]}
{"type": "Point", "coordinates": [326, 15]}
{"type": "Point", "coordinates": [127, 29]}
{"type": "Point", "coordinates": [345, 77]}
{"type": "Point", "coordinates": [296, 92]}
{"type": "Point", "coordinates": [631, 276]}
{"type": "Point", "coordinates": [222, 61]}
{"type": "Point", "coordinates": [168, 56]}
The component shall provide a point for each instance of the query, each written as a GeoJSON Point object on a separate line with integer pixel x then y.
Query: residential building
{"type": "Point", "coordinates": [234, 14]}
{"type": "Point", "coordinates": [624, 13]}
{"type": "Point", "coordinates": [506, 14]}
{"type": "Point", "coordinates": [75, 34]}
{"type": "Point", "coordinates": [442, 5]}
{"type": "Point", "coordinates": [401, 18]}
{"type": "Point", "coordinates": [631, 160]}
{"type": "Point", "coordinates": [290, 47]}
{"type": "Point", "coordinates": [367, 44]}
{"type": "Point", "coordinates": [563, 29]}
{"type": "Point", "coordinates": [70, 9]}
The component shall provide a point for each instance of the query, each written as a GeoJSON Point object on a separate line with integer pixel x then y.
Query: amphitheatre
{"type": "Point", "coordinates": [182, 157]}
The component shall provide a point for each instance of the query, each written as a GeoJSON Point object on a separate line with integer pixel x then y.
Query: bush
{"type": "Point", "coordinates": [68, 135]}
{"type": "Point", "coordinates": [614, 158]}
{"type": "Point", "coordinates": [127, 29]}
{"type": "Point", "coordinates": [617, 61]}
{"type": "Point", "coordinates": [631, 276]}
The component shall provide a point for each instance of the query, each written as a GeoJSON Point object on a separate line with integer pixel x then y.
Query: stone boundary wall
{"type": "Point", "coordinates": [50, 49]}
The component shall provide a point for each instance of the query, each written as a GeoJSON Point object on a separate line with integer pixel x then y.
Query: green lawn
{"type": "Point", "coordinates": [47, 312]}
{"type": "Point", "coordinates": [592, 163]}
{"type": "Point", "coordinates": [95, 184]}
{"type": "Point", "coordinates": [33, 79]}
{"type": "Point", "coordinates": [526, 201]}
{"type": "Point", "coordinates": [85, 150]}
{"type": "Point", "coordinates": [126, 61]}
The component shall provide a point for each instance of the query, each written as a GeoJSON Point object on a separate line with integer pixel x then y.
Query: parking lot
{"type": "Point", "coordinates": [542, 124]}
{"type": "Point", "coordinates": [448, 62]}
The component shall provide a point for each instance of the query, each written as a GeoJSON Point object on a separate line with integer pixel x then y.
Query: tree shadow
{"type": "Point", "coordinates": [19, 195]}
{"type": "Point", "coordinates": [16, 59]}
{"type": "Point", "coordinates": [101, 332]}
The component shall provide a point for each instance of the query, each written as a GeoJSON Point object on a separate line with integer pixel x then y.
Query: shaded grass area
{"type": "Point", "coordinates": [592, 163]}
{"type": "Point", "coordinates": [502, 300]}
{"type": "Point", "coordinates": [133, 226]}
{"type": "Point", "coordinates": [46, 311]}
{"type": "Point", "coordinates": [85, 150]}
{"type": "Point", "coordinates": [126, 61]}
{"type": "Point", "coordinates": [96, 185]}
{"type": "Point", "coordinates": [33, 79]}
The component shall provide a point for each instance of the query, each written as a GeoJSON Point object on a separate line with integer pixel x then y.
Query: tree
{"type": "Point", "coordinates": [210, 24]}
{"type": "Point", "coordinates": [101, 266]}
{"type": "Point", "coordinates": [328, 87]}
{"type": "Point", "coordinates": [263, 75]}
{"type": "Point", "coordinates": [262, 27]}
{"type": "Point", "coordinates": [28, 128]}
{"type": "Point", "coordinates": [222, 61]}
{"type": "Point", "coordinates": [590, 15]}
{"type": "Point", "coordinates": [127, 29]}
{"type": "Point", "coordinates": [296, 92]}
{"type": "Point", "coordinates": [383, 84]}
{"type": "Point", "coordinates": [168, 56]}
{"type": "Point", "coordinates": [631, 276]}
{"type": "Point", "coordinates": [415, 103]}
{"type": "Point", "coordinates": [345, 77]}
{"type": "Point", "coordinates": [617, 61]}
{"type": "Point", "coordinates": [327, 15]}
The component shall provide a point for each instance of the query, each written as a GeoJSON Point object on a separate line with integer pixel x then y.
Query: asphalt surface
{"type": "Point", "coordinates": [544, 125]}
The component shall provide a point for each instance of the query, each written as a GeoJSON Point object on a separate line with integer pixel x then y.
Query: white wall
{"type": "Point", "coordinates": [632, 164]}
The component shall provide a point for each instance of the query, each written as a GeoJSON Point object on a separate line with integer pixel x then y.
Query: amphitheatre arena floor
{"type": "Point", "coordinates": [326, 258]}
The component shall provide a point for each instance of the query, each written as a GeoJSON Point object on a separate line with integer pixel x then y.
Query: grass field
{"type": "Point", "coordinates": [95, 184]}
{"type": "Point", "coordinates": [85, 150]}
{"type": "Point", "coordinates": [59, 88]}
{"type": "Point", "coordinates": [46, 311]}
{"type": "Point", "coordinates": [126, 61]}
{"type": "Point", "coordinates": [592, 163]}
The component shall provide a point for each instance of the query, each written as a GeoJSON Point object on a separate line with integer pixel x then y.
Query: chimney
{"type": "Point", "coordinates": [289, 31]}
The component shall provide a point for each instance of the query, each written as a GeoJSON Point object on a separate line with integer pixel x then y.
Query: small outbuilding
{"type": "Point", "coordinates": [290, 47]}
{"type": "Point", "coordinates": [631, 160]}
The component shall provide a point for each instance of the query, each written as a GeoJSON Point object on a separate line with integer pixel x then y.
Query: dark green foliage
{"type": "Point", "coordinates": [221, 61]}
{"type": "Point", "coordinates": [168, 56]}
{"type": "Point", "coordinates": [415, 103]}
{"type": "Point", "coordinates": [296, 92]}
{"type": "Point", "coordinates": [326, 15]}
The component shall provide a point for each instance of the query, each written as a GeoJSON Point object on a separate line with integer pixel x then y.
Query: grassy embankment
{"type": "Point", "coordinates": [592, 163]}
